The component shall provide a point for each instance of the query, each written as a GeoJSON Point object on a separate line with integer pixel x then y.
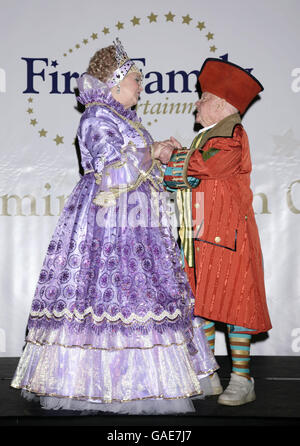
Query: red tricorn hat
{"type": "Point", "coordinates": [230, 82]}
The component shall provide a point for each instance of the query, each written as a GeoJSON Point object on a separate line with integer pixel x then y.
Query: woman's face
{"type": "Point", "coordinates": [130, 89]}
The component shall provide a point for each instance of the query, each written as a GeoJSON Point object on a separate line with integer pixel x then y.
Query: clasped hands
{"type": "Point", "coordinates": [163, 150]}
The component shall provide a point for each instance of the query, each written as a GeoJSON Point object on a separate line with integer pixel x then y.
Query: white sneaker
{"type": "Point", "coordinates": [239, 391]}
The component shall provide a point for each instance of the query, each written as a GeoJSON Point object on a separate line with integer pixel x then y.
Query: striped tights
{"type": "Point", "coordinates": [239, 348]}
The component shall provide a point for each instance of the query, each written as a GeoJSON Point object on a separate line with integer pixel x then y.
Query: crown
{"type": "Point", "coordinates": [121, 54]}
{"type": "Point", "coordinates": [124, 65]}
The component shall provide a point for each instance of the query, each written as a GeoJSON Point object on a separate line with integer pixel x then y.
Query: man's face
{"type": "Point", "coordinates": [208, 109]}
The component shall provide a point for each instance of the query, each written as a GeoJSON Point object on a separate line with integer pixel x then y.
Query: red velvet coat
{"type": "Point", "coordinates": [229, 273]}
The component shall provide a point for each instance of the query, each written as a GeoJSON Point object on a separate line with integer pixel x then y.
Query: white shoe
{"type": "Point", "coordinates": [239, 391]}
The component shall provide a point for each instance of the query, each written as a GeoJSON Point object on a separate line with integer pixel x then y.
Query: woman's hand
{"type": "Point", "coordinates": [176, 144]}
{"type": "Point", "coordinates": [166, 153]}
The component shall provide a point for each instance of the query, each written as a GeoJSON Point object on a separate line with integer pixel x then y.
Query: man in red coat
{"type": "Point", "coordinates": [222, 250]}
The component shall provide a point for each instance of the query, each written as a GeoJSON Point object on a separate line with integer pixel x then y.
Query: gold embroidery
{"type": "Point", "coordinates": [108, 198]}
{"type": "Point", "coordinates": [90, 347]}
{"type": "Point", "coordinates": [98, 178]}
{"type": "Point", "coordinates": [184, 203]}
{"type": "Point", "coordinates": [88, 171]}
{"type": "Point", "coordinates": [137, 125]}
{"type": "Point", "coordinates": [195, 144]}
{"type": "Point", "coordinates": [184, 199]}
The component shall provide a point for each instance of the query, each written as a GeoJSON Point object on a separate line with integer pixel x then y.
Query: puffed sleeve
{"type": "Point", "coordinates": [98, 134]}
{"type": "Point", "coordinates": [119, 167]}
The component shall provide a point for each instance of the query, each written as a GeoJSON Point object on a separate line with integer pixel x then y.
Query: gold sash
{"type": "Point", "coordinates": [184, 203]}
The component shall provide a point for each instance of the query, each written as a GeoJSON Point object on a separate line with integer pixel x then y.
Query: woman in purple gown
{"type": "Point", "coordinates": [111, 326]}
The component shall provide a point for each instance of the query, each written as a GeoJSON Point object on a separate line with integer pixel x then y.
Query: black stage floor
{"type": "Point", "coordinates": [277, 404]}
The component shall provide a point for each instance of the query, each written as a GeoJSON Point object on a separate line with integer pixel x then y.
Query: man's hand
{"type": "Point", "coordinates": [163, 151]}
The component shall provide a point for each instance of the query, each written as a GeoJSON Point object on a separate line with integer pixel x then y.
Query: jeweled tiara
{"type": "Point", "coordinates": [124, 65]}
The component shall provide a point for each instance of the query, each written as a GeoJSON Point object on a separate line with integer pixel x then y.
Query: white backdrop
{"type": "Point", "coordinates": [45, 44]}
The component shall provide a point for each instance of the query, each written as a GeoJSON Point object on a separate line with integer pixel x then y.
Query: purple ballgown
{"type": "Point", "coordinates": [111, 325]}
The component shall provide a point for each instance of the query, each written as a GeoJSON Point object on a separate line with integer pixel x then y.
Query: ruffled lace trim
{"type": "Point", "coordinates": [89, 96]}
{"type": "Point", "coordinates": [142, 407]}
{"type": "Point", "coordinates": [118, 317]}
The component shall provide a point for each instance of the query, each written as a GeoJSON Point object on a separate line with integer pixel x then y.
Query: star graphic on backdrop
{"type": "Point", "coordinates": [209, 36]}
{"type": "Point", "coordinates": [120, 25]}
{"type": "Point", "coordinates": [286, 144]}
{"type": "Point", "coordinates": [85, 41]}
{"type": "Point", "coordinates": [33, 122]}
{"type": "Point", "coordinates": [105, 30]}
{"type": "Point", "coordinates": [152, 17]}
{"type": "Point", "coordinates": [77, 46]}
{"type": "Point", "coordinates": [43, 132]}
{"type": "Point", "coordinates": [30, 110]}
{"type": "Point", "coordinates": [186, 19]}
{"type": "Point", "coordinates": [201, 25]}
{"type": "Point", "coordinates": [30, 100]}
{"type": "Point", "coordinates": [135, 21]}
{"type": "Point", "coordinates": [94, 36]}
{"type": "Point", "coordinates": [59, 140]}
{"type": "Point", "coordinates": [170, 17]}
{"type": "Point", "coordinates": [70, 50]}
{"type": "Point", "coordinates": [212, 48]}
{"type": "Point", "coordinates": [54, 63]}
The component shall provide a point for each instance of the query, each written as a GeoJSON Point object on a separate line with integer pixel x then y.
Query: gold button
{"type": "Point", "coordinates": [197, 205]}
{"type": "Point", "coordinates": [217, 239]}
